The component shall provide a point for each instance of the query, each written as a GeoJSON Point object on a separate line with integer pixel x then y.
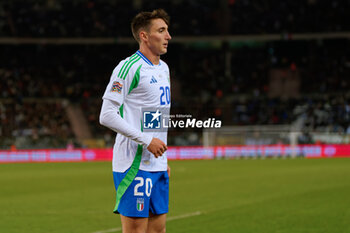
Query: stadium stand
{"type": "Point", "coordinates": [34, 124]}
{"type": "Point", "coordinates": [86, 18]}
{"type": "Point", "coordinates": [303, 82]}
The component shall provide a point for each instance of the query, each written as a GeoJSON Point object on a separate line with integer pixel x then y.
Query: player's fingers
{"type": "Point", "coordinates": [162, 149]}
{"type": "Point", "coordinates": [157, 153]}
{"type": "Point", "coordinates": [162, 143]}
{"type": "Point", "coordinates": [153, 151]}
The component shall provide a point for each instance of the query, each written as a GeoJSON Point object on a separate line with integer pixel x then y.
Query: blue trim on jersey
{"type": "Point", "coordinates": [144, 58]}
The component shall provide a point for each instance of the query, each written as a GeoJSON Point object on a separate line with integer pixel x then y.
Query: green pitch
{"type": "Point", "coordinates": [243, 196]}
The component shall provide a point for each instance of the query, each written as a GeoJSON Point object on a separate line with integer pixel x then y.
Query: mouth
{"type": "Point", "coordinates": [165, 45]}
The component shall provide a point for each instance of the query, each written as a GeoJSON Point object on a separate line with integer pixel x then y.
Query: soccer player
{"type": "Point", "coordinates": [140, 169]}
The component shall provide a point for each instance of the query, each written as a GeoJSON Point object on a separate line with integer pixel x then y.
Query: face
{"type": "Point", "coordinates": [158, 37]}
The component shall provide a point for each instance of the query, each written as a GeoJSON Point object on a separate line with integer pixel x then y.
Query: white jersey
{"type": "Point", "coordinates": [137, 84]}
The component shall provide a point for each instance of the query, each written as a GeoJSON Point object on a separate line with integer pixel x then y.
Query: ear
{"type": "Point", "coordinates": [143, 35]}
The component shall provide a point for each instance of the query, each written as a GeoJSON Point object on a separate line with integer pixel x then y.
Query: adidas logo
{"type": "Point", "coordinates": [153, 80]}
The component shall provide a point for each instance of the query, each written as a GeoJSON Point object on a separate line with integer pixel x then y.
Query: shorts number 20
{"type": "Point", "coordinates": [148, 188]}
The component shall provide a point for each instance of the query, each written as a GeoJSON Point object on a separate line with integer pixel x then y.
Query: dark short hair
{"type": "Point", "coordinates": [143, 21]}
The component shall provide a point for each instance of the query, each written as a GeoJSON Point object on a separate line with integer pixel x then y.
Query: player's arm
{"type": "Point", "coordinates": [111, 118]}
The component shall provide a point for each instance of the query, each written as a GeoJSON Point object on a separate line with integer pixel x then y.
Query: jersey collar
{"type": "Point", "coordinates": [145, 58]}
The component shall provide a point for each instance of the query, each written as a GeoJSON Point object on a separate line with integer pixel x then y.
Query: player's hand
{"type": "Point", "coordinates": [168, 171]}
{"type": "Point", "coordinates": [157, 147]}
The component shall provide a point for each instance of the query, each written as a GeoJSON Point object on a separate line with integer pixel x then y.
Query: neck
{"type": "Point", "coordinates": [154, 58]}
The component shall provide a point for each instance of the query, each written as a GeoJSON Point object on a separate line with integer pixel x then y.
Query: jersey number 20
{"type": "Point", "coordinates": [165, 95]}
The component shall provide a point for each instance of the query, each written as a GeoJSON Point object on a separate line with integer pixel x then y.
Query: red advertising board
{"type": "Point", "coordinates": [181, 153]}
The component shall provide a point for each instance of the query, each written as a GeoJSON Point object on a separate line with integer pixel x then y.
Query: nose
{"type": "Point", "coordinates": [168, 37]}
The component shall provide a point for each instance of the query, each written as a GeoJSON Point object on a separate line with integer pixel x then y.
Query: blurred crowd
{"type": "Point", "coordinates": [34, 124]}
{"type": "Point", "coordinates": [300, 82]}
{"type": "Point", "coordinates": [231, 83]}
{"type": "Point", "coordinates": [103, 18]}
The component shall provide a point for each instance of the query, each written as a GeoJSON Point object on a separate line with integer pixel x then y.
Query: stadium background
{"type": "Point", "coordinates": [275, 72]}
